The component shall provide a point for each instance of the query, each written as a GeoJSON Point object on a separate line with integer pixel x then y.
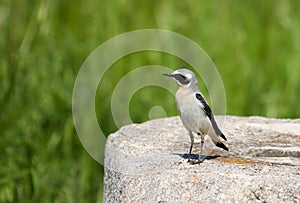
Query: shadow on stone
{"type": "Point", "coordinates": [196, 156]}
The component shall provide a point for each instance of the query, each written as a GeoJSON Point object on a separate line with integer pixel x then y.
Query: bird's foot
{"type": "Point", "coordinates": [193, 162]}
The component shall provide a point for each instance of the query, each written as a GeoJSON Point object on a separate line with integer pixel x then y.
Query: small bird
{"type": "Point", "coordinates": [194, 111]}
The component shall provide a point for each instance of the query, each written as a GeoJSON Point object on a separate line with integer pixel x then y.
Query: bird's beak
{"type": "Point", "coordinates": [168, 75]}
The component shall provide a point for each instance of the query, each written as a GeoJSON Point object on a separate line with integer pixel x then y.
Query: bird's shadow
{"type": "Point", "coordinates": [196, 156]}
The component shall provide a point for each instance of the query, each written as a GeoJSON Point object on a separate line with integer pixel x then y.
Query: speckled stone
{"type": "Point", "coordinates": [148, 163]}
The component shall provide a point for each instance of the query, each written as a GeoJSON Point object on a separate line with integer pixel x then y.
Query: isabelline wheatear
{"type": "Point", "coordinates": [194, 111]}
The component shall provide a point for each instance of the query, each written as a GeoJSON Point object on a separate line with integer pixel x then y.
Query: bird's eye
{"type": "Point", "coordinates": [182, 79]}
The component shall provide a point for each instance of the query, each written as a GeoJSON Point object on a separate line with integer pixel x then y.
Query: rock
{"type": "Point", "coordinates": [148, 163]}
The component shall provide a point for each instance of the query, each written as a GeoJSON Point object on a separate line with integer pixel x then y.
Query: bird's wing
{"type": "Point", "coordinates": [209, 114]}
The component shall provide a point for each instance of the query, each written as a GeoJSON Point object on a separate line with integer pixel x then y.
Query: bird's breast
{"type": "Point", "coordinates": [191, 114]}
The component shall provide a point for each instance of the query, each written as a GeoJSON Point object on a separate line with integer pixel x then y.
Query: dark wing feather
{"type": "Point", "coordinates": [206, 108]}
{"type": "Point", "coordinates": [216, 128]}
{"type": "Point", "coordinates": [210, 115]}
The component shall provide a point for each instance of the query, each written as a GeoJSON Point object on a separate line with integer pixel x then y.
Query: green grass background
{"type": "Point", "coordinates": [254, 44]}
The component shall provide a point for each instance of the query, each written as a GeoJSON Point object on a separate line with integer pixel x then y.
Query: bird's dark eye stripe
{"type": "Point", "coordinates": [182, 79]}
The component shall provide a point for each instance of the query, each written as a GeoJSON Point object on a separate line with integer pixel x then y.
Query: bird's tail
{"type": "Point", "coordinates": [216, 139]}
{"type": "Point", "coordinates": [221, 145]}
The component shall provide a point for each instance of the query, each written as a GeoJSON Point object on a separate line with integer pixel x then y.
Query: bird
{"type": "Point", "coordinates": [194, 111]}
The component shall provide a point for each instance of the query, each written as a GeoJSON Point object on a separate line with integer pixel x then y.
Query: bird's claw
{"type": "Point", "coordinates": [193, 162]}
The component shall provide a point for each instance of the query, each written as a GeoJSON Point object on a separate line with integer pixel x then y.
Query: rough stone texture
{"type": "Point", "coordinates": [148, 163]}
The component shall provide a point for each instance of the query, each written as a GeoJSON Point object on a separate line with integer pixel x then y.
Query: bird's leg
{"type": "Point", "coordinates": [192, 143]}
{"type": "Point", "coordinates": [201, 147]}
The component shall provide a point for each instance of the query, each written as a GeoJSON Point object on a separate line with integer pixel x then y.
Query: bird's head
{"type": "Point", "coordinates": [184, 78]}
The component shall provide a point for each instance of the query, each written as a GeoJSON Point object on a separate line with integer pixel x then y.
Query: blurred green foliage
{"type": "Point", "coordinates": [254, 44]}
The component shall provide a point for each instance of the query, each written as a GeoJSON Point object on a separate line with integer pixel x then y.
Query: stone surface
{"type": "Point", "coordinates": [148, 163]}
